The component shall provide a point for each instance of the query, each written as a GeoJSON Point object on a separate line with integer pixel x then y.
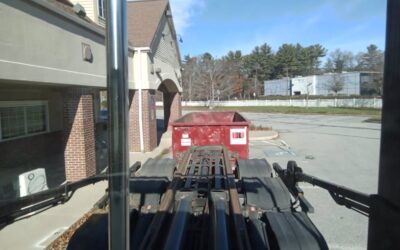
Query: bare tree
{"type": "Point", "coordinates": [214, 74]}
{"type": "Point", "coordinates": [190, 77]}
{"type": "Point", "coordinates": [373, 86]}
{"type": "Point", "coordinates": [207, 78]}
{"type": "Point", "coordinates": [340, 61]}
{"type": "Point", "coordinates": [336, 83]}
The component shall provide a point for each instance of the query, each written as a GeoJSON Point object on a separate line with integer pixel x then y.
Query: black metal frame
{"type": "Point", "coordinates": [15, 208]}
{"type": "Point", "coordinates": [384, 223]}
{"type": "Point", "coordinates": [343, 196]}
{"type": "Point", "coordinates": [12, 209]}
{"type": "Point", "coordinates": [383, 208]}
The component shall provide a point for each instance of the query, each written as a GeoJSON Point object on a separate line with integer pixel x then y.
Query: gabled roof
{"type": "Point", "coordinates": [144, 16]}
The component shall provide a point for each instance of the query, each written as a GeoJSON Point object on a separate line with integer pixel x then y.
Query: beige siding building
{"type": "Point", "coordinates": [52, 69]}
{"type": "Point", "coordinates": [95, 10]}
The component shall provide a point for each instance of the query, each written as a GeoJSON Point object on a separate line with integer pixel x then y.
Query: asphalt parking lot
{"type": "Point", "coordinates": [339, 149]}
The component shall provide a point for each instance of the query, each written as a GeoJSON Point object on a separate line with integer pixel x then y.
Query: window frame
{"type": "Point", "coordinates": [100, 3]}
{"type": "Point", "coordinates": [14, 104]}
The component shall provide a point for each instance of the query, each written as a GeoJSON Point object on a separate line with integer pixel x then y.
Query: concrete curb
{"type": "Point", "coordinates": [270, 136]}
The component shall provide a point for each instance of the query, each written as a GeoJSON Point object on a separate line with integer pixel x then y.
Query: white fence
{"type": "Point", "coordinates": [349, 103]}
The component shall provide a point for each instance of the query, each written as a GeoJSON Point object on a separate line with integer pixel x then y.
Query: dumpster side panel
{"type": "Point", "coordinates": [235, 138]}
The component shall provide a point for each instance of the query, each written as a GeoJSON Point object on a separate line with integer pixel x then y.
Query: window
{"type": "Point", "coordinates": [101, 8]}
{"type": "Point", "coordinates": [22, 118]}
{"type": "Point", "coordinates": [12, 122]}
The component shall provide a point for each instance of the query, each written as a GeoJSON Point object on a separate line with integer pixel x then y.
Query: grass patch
{"type": "Point", "coordinates": [297, 110]}
{"type": "Point", "coordinates": [259, 128]}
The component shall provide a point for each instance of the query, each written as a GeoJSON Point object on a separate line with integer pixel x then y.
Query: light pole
{"type": "Point", "coordinates": [118, 161]}
{"type": "Point", "coordinates": [256, 67]}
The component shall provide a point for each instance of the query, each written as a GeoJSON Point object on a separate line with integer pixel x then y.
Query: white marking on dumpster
{"type": "Point", "coordinates": [238, 136]}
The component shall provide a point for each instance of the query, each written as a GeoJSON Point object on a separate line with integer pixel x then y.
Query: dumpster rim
{"type": "Point", "coordinates": [173, 124]}
{"type": "Point", "coordinates": [178, 123]}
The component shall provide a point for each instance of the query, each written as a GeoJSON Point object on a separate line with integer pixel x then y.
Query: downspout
{"type": "Point", "coordinates": [140, 102]}
{"type": "Point", "coordinates": [139, 51]}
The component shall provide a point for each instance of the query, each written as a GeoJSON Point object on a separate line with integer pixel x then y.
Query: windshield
{"type": "Point", "coordinates": [300, 81]}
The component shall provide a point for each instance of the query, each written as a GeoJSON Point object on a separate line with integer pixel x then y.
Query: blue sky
{"type": "Point", "coordinates": [217, 26]}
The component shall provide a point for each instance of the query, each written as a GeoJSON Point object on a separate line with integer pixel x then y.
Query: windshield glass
{"type": "Point", "coordinates": [289, 81]}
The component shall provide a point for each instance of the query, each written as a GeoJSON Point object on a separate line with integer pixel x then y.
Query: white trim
{"type": "Point", "coordinates": [142, 49]}
{"type": "Point", "coordinates": [12, 104]}
{"type": "Point", "coordinates": [103, 8]}
{"type": "Point", "coordinates": [51, 68]}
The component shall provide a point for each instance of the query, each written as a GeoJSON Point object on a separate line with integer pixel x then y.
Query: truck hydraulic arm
{"type": "Point", "coordinates": [343, 196]}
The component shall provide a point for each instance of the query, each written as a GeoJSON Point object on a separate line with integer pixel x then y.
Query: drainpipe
{"type": "Point", "coordinates": [140, 102]}
{"type": "Point", "coordinates": [140, 82]}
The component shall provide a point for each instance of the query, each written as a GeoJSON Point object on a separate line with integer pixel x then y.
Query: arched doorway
{"type": "Point", "coordinates": [144, 132]}
{"type": "Point", "coordinates": [171, 102]}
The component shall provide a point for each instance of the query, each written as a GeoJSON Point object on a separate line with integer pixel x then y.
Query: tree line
{"type": "Point", "coordinates": [236, 75]}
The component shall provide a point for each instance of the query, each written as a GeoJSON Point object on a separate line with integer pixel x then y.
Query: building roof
{"type": "Point", "coordinates": [143, 19]}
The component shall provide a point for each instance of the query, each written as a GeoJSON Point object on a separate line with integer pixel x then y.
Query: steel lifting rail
{"type": "Point", "coordinates": [199, 198]}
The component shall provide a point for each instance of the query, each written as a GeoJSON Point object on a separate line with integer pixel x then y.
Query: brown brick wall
{"type": "Point", "coordinates": [172, 108]}
{"type": "Point", "coordinates": [149, 121]}
{"type": "Point", "coordinates": [78, 134]}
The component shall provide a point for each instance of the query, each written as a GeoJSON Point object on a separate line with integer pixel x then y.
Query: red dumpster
{"type": "Point", "coordinates": [211, 128]}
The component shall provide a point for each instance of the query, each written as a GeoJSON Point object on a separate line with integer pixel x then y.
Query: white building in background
{"type": "Point", "coordinates": [277, 87]}
{"type": "Point", "coordinates": [354, 83]}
